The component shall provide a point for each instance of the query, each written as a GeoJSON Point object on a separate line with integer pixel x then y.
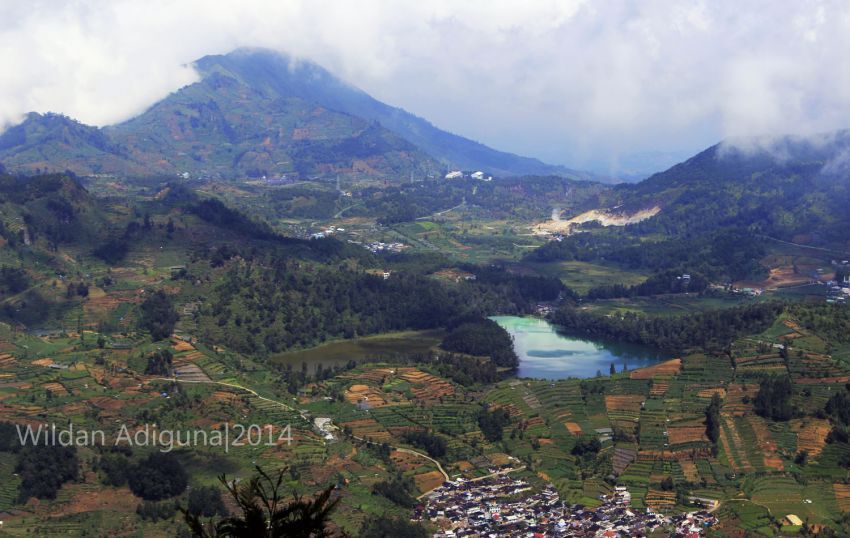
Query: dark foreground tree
{"type": "Point", "coordinates": [43, 469]}
{"type": "Point", "coordinates": [158, 315]}
{"type": "Point", "coordinates": [712, 418]}
{"type": "Point", "coordinates": [159, 476]}
{"type": "Point", "coordinates": [492, 423]}
{"type": "Point", "coordinates": [483, 337]}
{"type": "Point", "coordinates": [773, 400]}
{"type": "Point", "coordinates": [206, 501]}
{"type": "Point", "coordinates": [160, 363]}
{"type": "Point", "coordinates": [391, 527]}
{"type": "Point", "coordinates": [268, 512]}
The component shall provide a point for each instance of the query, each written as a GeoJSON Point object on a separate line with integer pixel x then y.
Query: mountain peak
{"type": "Point", "coordinates": [257, 112]}
{"type": "Point", "coordinates": [53, 142]}
{"type": "Point", "coordinates": [282, 75]}
{"type": "Point", "coordinates": [259, 67]}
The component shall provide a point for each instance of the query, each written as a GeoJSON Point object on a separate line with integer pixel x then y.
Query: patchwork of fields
{"type": "Point", "coordinates": [649, 423]}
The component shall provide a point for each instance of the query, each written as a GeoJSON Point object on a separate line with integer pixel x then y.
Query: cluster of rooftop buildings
{"type": "Point", "coordinates": [838, 290]}
{"type": "Point", "coordinates": [837, 294]}
{"type": "Point", "coordinates": [326, 232]}
{"type": "Point", "coordinates": [379, 246]}
{"type": "Point", "coordinates": [479, 175]}
{"type": "Point", "coordinates": [504, 506]}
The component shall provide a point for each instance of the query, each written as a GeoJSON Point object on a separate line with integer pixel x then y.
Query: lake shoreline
{"type": "Point", "coordinates": [545, 352]}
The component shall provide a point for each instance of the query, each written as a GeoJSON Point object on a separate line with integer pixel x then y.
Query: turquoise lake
{"type": "Point", "coordinates": [544, 353]}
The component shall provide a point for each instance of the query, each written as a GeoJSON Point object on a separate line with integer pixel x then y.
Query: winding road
{"type": "Point", "coordinates": [289, 407]}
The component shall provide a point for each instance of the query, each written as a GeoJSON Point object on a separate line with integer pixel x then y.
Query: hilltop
{"type": "Point", "coordinates": [257, 113]}
{"type": "Point", "coordinates": [778, 185]}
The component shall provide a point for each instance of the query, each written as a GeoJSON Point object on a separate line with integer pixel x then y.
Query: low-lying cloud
{"type": "Point", "coordinates": [582, 83]}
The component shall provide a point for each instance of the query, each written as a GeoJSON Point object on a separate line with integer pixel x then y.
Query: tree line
{"type": "Point", "coordinates": [726, 254]}
{"type": "Point", "coordinates": [657, 284]}
{"type": "Point", "coordinates": [258, 308]}
{"type": "Point", "coordinates": [713, 330]}
{"type": "Point", "coordinates": [483, 337]}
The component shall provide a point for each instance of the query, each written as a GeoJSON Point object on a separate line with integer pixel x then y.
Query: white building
{"type": "Point", "coordinates": [454, 174]}
{"type": "Point", "coordinates": [325, 426]}
{"type": "Point", "coordinates": [477, 175]}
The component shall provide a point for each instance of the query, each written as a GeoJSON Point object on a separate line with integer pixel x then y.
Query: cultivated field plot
{"type": "Point", "coordinates": [9, 484]}
{"type": "Point", "coordinates": [811, 434]}
{"type": "Point", "coordinates": [622, 458]}
{"type": "Point", "coordinates": [685, 434]}
{"type": "Point", "coordinates": [581, 276]}
{"type": "Point", "coordinates": [365, 349]}
{"type": "Point", "coordinates": [700, 371]}
{"type": "Point", "coordinates": [562, 403]}
{"type": "Point", "coordinates": [737, 401]}
{"type": "Point", "coordinates": [662, 370]}
{"type": "Point", "coordinates": [426, 387]}
{"type": "Point", "coordinates": [783, 495]}
{"type": "Point", "coordinates": [368, 429]}
{"type": "Point", "coordinates": [636, 478]}
{"type": "Point", "coordinates": [660, 501]}
{"type": "Point", "coordinates": [760, 363]}
{"type": "Point", "coordinates": [666, 305]}
{"type": "Point", "coordinates": [740, 517]}
{"type": "Point", "coordinates": [382, 386]}
{"type": "Point", "coordinates": [653, 425]}
{"type": "Point", "coordinates": [624, 410]}
{"type": "Point", "coordinates": [510, 396]}
{"type": "Point", "coordinates": [767, 446]}
{"type": "Point", "coordinates": [842, 496]}
{"type": "Point", "coordinates": [734, 447]}
{"type": "Point", "coordinates": [809, 368]}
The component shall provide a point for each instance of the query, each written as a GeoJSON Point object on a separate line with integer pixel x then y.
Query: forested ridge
{"type": "Point", "coordinates": [483, 337]}
{"type": "Point", "coordinates": [666, 282]}
{"type": "Point", "coordinates": [676, 334]}
{"type": "Point", "coordinates": [727, 254]}
{"type": "Point", "coordinates": [779, 188]}
{"type": "Point", "coordinates": [511, 197]}
{"type": "Point", "coordinates": [831, 321]}
{"type": "Point", "coordinates": [257, 309]}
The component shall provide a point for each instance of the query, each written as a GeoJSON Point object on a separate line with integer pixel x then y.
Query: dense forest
{"type": "Point", "coordinates": [727, 187]}
{"type": "Point", "coordinates": [677, 334]}
{"type": "Point", "coordinates": [484, 338]}
{"type": "Point", "coordinates": [217, 213]}
{"type": "Point", "coordinates": [722, 255]}
{"type": "Point", "coordinates": [521, 198]}
{"type": "Point", "coordinates": [837, 409]}
{"type": "Point", "coordinates": [831, 321]}
{"type": "Point", "coordinates": [160, 363]}
{"type": "Point", "coordinates": [462, 369]}
{"type": "Point", "coordinates": [55, 208]}
{"type": "Point", "coordinates": [773, 400]}
{"type": "Point", "coordinates": [272, 307]}
{"type": "Point", "coordinates": [159, 476]}
{"type": "Point", "coordinates": [712, 419]}
{"type": "Point", "coordinates": [158, 315]}
{"type": "Point", "coordinates": [42, 468]}
{"type": "Point", "coordinates": [434, 445]}
{"type": "Point", "coordinates": [666, 282]}
{"type": "Point", "coordinates": [399, 489]}
{"type": "Point", "coordinates": [12, 280]}
{"type": "Point", "coordinates": [529, 287]}
{"type": "Point", "coordinates": [493, 422]}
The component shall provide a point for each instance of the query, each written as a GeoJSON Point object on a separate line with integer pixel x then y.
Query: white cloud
{"type": "Point", "coordinates": [569, 81]}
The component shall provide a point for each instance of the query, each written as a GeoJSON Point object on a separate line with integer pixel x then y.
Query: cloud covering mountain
{"type": "Point", "coordinates": [583, 83]}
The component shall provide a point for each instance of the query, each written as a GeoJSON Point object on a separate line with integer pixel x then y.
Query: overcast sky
{"type": "Point", "coordinates": [587, 84]}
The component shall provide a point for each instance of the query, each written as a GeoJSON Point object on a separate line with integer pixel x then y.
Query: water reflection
{"type": "Point", "coordinates": [548, 354]}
